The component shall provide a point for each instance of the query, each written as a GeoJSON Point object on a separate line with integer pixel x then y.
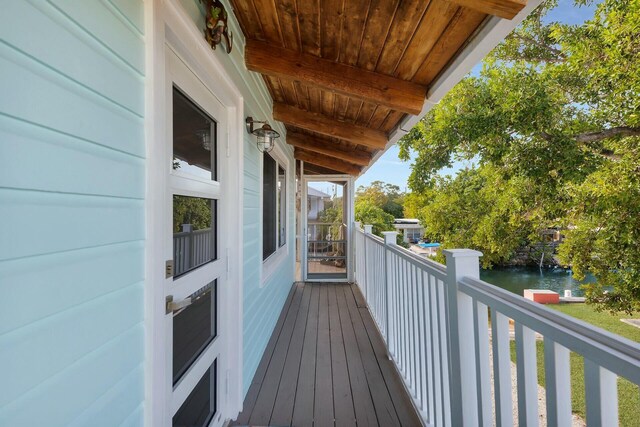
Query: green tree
{"type": "Point", "coordinates": [386, 196]}
{"type": "Point", "coordinates": [368, 213]}
{"type": "Point", "coordinates": [191, 210]}
{"type": "Point", "coordinates": [554, 119]}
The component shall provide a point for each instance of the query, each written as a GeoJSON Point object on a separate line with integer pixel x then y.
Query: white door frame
{"type": "Point", "coordinates": [349, 214]}
{"type": "Point", "coordinates": [168, 24]}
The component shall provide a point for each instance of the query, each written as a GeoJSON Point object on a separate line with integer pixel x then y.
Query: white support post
{"type": "Point", "coordinates": [462, 365]}
{"type": "Point", "coordinates": [601, 394]}
{"type": "Point", "coordinates": [389, 240]}
{"type": "Point", "coordinates": [368, 229]}
{"type": "Point", "coordinates": [354, 236]}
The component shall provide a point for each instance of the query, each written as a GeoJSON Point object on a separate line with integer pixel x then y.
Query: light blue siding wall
{"type": "Point", "coordinates": [71, 212]}
{"type": "Point", "coordinates": [262, 304]}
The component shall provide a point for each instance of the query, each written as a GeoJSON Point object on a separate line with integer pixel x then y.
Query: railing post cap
{"type": "Point", "coordinates": [461, 253]}
{"type": "Point", "coordinates": [368, 228]}
{"type": "Point", "coordinates": [389, 237]}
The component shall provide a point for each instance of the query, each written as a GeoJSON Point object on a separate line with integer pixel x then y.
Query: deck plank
{"type": "Point", "coordinates": [283, 408]}
{"type": "Point", "coordinates": [254, 389]}
{"type": "Point", "coordinates": [323, 406]}
{"type": "Point", "coordinates": [362, 402]}
{"type": "Point", "coordinates": [401, 401]}
{"type": "Point", "coordinates": [385, 411]}
{"type": "Point", "coordinates": [305, 390]}
{"type": "Point", "coordinates": [342, 397]}
{"type": "Point", "coordinates": [266, 398]}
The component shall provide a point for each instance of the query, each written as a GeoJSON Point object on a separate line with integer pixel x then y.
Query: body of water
{"type": "Point", "coordinates": [517, 279]}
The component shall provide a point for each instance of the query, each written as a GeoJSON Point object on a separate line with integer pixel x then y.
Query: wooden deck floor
{"type": "Point", "coordinates": [326, 365]}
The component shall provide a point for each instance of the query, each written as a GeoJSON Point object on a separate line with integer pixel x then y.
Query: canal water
{"type": "Point", "coordinates": [517, 279]}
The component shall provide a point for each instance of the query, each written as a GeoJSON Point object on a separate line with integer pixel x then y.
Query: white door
{"type": "Point", "coordinates": [196, 278]}
{"type": "Point", "coordinates": [327, 216]}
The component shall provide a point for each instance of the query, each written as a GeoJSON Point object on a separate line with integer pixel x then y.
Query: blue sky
{"type": "Point", "coordinates": [390, 169]}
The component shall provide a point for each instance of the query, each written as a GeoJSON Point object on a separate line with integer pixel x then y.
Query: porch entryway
{"type": "Point", "coordinates": [326, 216]}
{"type": "Point", "coordinates": [325, 365]}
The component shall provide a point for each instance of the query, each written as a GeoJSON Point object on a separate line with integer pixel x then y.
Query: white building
{"type": "Point", "coordinates": [410, 229]}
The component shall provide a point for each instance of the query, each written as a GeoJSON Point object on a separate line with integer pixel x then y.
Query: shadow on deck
{"type": "Point", "coordinates": [326, 365]}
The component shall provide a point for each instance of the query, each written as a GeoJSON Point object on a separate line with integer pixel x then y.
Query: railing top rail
{"type": "Point", "coordinates": [433, 267]}
{"type": "Point", "coordinates": [613, 352]}
{"type": "Point", "coordinates": [431, 264]}
{"type": "Point", "coordinates": [375, 238]}
{"type": "Point", "coordinates": [202, 231]}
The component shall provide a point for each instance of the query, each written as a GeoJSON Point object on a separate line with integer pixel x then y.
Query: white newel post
{"type": "Point", "coordinates": [462, 352]}
{"type": "Point", "coordinates": [356, 267]}
{"type": "Point", "coordinates": [368, 229]}
{"type": "Point", "coordinates": [389, 240]}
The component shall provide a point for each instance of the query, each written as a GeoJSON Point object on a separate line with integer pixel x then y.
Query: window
{"type": "Point", "coordinates": [274, 198]}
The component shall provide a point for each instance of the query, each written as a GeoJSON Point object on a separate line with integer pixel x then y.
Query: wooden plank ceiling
{"type": "Point", "coordinates": [344, 73]}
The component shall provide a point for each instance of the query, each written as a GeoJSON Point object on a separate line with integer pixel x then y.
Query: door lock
{"type": "Point", "coordinates": [175, 306]}
{"type": "Point", "coordinates": [168, 269]}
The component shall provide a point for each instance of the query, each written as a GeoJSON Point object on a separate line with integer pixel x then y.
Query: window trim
{"type": "Point", "coordinates": [275, 260]}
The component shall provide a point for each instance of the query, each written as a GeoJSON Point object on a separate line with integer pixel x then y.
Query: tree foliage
{"type": "Point", "coordinates": [386, 196]}
{"type": "Point", "coordinates": [191, 210]}
{"type": "Point", "coordinates": [553, 119]}
{"type": "Point", "coordinates": [379, 204]}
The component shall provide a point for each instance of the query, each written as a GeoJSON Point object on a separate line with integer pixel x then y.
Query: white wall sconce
{"type": "Point", "coordinates": [266, 136]}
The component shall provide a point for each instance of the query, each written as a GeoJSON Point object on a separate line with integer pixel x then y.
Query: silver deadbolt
{"type": "Point", "coordinates": [168, 269]}
{"type": "Point", "coordinates": [175, 306]}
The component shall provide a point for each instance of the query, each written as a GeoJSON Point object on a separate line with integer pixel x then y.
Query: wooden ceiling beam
{"type": "Point", "coordinates": [328, 148]}
{"type": "Point", "coordinates": [324, 125]}
{"type": "Point", "coordinates": [507, 9]}
{"type": "Point", "coordinates": [310, 169]}
{"type": "Point", "coordinates": [327, 162]}
{"type": "Point", "coordinates": [380, 89]}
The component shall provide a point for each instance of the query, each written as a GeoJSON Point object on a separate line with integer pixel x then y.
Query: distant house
{"type": "Point", "coordinates": [410, 229]}
{"type": "Point", "coordinates": [315, 203]}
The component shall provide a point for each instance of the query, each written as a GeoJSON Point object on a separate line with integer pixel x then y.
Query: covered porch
{"type": "Point", "coordinates": [326, 364]}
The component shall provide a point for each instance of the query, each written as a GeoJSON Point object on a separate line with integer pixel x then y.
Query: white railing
{"type": "Point", "coordinates": [192, 249]}
{"type": "Point", "coordinates": [446, 331]}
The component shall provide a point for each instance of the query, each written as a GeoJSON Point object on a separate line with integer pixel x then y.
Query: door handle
{"type": "Point", "coordinates": [173, 306]}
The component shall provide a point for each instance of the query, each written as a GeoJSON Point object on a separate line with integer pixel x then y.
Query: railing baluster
{"type": "Point", "coordinates": [483, 381]}
{"type": "Point", "coordinates": [527, 376]}
{"type": "Point", "coordinates": [414, 333]}
{"type": "Point", "coordinates": [601, 394]}
{"type": "Point", "coordinates": [421, 353]}
{"type": "Point", "coordinates": [444, 353]}
{"type": "Point", "coordinates": [407, 335]}
{"type": "Point", "coordinates": [557, 383]}
{"type": "Point", "coordinates": [501, 369]}
{"type": "Point", "coordinates": [428, 346]}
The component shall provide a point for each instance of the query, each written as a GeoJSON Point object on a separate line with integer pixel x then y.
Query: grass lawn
{"type": "Point", "coordinates": [628, 393]}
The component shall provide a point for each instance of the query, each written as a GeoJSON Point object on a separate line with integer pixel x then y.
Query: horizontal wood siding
{"type": "Point", "coordinates": [72, 210]}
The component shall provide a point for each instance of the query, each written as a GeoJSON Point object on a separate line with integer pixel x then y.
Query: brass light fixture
{"type": "Point", "coordinates": [266, 136]}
